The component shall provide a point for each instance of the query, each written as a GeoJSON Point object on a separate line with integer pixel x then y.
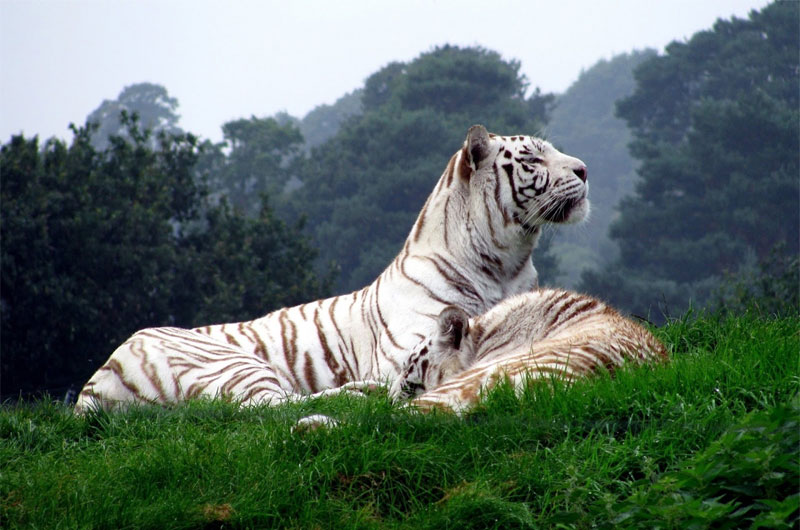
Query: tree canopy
{"type": "Point", "coordinates": [156, 109]}
{"type": "Point", "coordinates": [100, 243]}
{"type": "Point", "coordinates": [715, 130]}
{"type": "Point", "coordinates": [261, 152]}
{"type": "Point", "coordinates": [323, 121]}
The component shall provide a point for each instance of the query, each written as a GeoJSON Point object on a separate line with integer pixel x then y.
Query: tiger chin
{"type": "Point", "coordinates": [544, 333]}
{"type": "Point", "coordinates": [470, 247]}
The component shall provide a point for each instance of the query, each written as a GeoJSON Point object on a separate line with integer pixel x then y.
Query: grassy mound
{"type": "Point", "coordinates": [712, 439]}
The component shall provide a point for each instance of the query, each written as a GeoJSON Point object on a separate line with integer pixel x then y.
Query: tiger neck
{"type": "Point", "coordinates": [492, 250]}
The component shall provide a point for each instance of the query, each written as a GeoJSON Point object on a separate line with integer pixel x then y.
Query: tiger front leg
{"type": "Point", "coordinates": [353, 388]}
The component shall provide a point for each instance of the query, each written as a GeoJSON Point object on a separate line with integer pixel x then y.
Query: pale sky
{"type": "Point", "coordinates": [224, 60]}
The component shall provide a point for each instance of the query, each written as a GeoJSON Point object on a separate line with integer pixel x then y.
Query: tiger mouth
{"type": "Point", "coordinates": [561, 212]}
{"type": "Point", "coordinates": [558, 213]}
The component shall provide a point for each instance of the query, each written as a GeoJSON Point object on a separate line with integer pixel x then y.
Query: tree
{"type": "Point", "coordinates": [241, 267]}
{"type": "Point", "coordinates": [98, 244]}
{"type": "Point", "coordinates": [715, 128]}
{"type": "Point", "coordinates": [363, 189]}
{"type": "Point", "coordinates": [261, 151]}
{"type": "Point", "coordinates": [769, 287]}
{"type": "Point", "coordinates": [150, 102]}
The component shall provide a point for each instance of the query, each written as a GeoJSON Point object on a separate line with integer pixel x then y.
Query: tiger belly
{"type": "Point", "coordinates": [309, 346]}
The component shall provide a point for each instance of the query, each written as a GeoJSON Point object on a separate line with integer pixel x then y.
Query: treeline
{"type": "Point", "coordinates": [100, 242]}
{"type": "Point", "coordinates": [715, 124]}
{"type": "Point", "coordinates": [123, 228]}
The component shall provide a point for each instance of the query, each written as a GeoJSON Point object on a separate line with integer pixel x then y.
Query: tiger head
{"type": "Point", "coordinates": [446, 352]}
{"type": "Point", "coordinates": [532, 182]}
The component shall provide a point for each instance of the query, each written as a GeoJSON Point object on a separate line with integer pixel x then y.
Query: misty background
{"type": "Point", "coordinates": [226, 60]}
{"type": "Point", "coordinates": [215, 184]}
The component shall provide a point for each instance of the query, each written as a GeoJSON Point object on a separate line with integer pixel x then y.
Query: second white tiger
{"type": "Point", "coordinates": [544, 333]}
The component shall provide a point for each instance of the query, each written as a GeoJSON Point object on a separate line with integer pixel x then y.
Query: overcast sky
{"type": "Point", "coordinates": [229, 59]}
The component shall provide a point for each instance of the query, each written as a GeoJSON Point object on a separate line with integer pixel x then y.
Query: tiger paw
{"type": "Point", "coordinates": [313, 423]}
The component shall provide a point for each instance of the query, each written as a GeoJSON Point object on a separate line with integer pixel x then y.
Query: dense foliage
{"type": "Point", "coordinates": [100, 243]}
{"type": "Point", "coordinates": [715, 125]}
{"type": "Point", "coordinates": [364, 187]}
{"type": "Point", "coordinates": [260, 151]}
{"type": "Point", "coordinates": [710, 440]}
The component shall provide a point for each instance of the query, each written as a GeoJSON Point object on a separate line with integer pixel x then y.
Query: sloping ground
{"type": "Point", "coordinates": [711, 440]}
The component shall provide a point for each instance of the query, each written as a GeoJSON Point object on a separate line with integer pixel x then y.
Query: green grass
{"type": "Point", "coordinates": [710, 440]}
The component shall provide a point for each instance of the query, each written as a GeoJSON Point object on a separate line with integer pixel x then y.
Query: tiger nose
{"type": "Point", "coordinates": [580, 172]}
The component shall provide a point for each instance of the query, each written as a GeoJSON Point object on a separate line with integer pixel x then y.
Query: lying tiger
{"type": "Point", "coordinates": [470, 246]}
{"type": "Point", "coordinates": [543, 333]}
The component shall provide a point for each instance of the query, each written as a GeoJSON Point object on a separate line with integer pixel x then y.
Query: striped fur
{"type": "Point", "coordinates": [470, 246]}
{"type": "Point", "coordinates": [544, 333]}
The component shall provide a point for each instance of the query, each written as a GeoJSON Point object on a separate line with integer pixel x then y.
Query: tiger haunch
{"type": "Point", "coordinates": [470, 247]}
{"type": "Point", "coordinates": [544, 333]}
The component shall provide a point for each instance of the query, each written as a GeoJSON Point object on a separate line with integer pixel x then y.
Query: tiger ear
{"type": "Point", "coordinates": [477, 145]}
{"type": "Point", "coordinates": [453, 326]}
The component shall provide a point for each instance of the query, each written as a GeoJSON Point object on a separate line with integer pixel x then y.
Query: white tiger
{"type": "Point", "coordinates": [470, 246]}
{"type": "Point", "coordinates": [543, 333]}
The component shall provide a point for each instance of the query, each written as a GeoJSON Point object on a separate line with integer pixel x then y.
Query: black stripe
{"type": "Point", "coordinates": [509, 169]}
{"type": "Point", "coordinates": [329, 358]}
{"type": "Point", "coordinates": [555, 300]}
{"type": "Point", "coordinates": [420, 284]}
{"type": "Point", "coordinates": [446, 217]}
{"type": "Point", "coordinates": [500, 205]}
{"type": "Point", "coordinates": [450, 170]}
{"type": "Point", "coordinates": [380, 314]}
{"type": "Point", "coordinates": [462, 284]}
{"type": "Point", "coordinates": [310, 373]}
{"type": "Point", "coordinates": [341, 342]}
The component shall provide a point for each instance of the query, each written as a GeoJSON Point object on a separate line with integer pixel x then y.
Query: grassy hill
{"type": "Point", "coordinates": [711, 439]}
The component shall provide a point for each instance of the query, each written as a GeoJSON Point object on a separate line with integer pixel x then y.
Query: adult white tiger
{"type": "Point", "coordinates": [470, 246]}
{"type": "Point", "coordinates": [544, 333]}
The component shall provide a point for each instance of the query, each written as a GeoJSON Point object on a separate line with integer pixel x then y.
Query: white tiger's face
{"type": "Point", "coordinates": [532, 181]}
{"type": "Point", "coordinates": [446, 352]}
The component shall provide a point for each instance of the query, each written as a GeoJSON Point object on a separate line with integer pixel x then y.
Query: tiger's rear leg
{"type": "Point", "coordinates": [167, 366]}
